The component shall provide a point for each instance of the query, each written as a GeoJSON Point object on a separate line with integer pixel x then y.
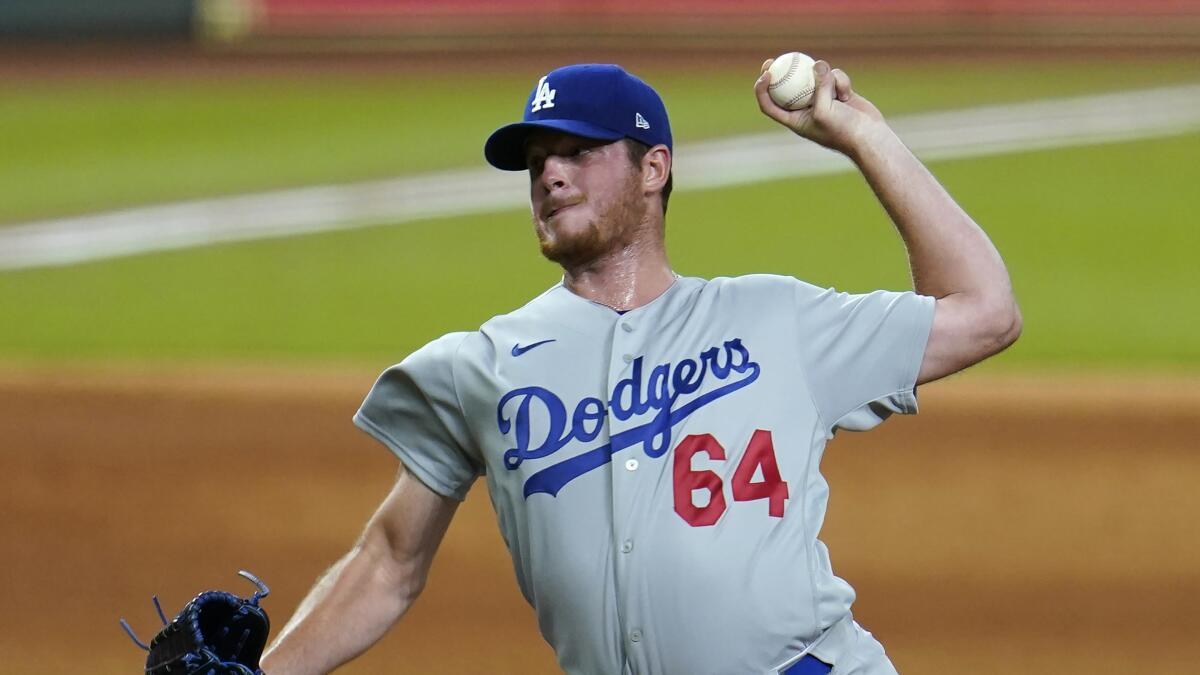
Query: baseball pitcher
{"type": "Point", "coordinates": [651, 442]}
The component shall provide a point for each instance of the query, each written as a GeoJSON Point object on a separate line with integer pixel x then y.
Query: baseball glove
{"type": "Point", "coordinates": [217, 633]}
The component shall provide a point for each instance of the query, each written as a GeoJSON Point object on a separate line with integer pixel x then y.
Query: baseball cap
{"type": "Point", "coordinates": [593, 100]}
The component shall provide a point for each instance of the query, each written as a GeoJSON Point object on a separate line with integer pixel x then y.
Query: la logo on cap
{"type": "Point", "coordinates": [544, 96]}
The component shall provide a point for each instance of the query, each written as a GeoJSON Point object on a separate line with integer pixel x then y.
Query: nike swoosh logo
{"type": "Point", "coordinates": [518, 350]}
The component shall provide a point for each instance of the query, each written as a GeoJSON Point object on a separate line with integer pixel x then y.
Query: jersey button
{"type": "Point", "coordinates": [628, 358]}
{"type": "Point", "coordinates": [627, 328]}
{"type": "Point", "coordinates": [627, 546]}
{"type": "Point", "coordinates": [631, 465]}
{"type": "Point", "coordinates": [635, 635]}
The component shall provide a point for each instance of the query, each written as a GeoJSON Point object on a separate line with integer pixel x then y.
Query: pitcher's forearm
{"type": "Point", "coordinates": [948, 252]}
{"type": "Point", "coordinates": [348, 610]}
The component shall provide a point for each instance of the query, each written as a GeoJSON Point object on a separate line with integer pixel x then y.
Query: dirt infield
{"type": "Point", "coordinates": [1017, 525]}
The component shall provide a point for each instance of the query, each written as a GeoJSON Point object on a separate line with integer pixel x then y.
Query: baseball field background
{"type": "Point", "coordinates": [170, 417]}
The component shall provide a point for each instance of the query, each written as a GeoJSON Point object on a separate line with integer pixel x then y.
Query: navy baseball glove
{"type": "Point", "coordinates": [217, 633]}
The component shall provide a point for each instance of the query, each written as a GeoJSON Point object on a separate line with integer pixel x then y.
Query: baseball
{"type": "Point", "coordinates": [792, 81]}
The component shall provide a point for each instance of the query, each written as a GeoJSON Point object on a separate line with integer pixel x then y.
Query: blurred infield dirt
{"type": "Point", "coordinates": [1030, 525]}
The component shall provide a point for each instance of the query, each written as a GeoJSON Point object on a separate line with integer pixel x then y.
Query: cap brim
{"type": "Point", "coordinates": [505, 148]}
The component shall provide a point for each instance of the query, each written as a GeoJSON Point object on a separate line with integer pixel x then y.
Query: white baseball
{"type": "Point", "coordinates": [792, 81]}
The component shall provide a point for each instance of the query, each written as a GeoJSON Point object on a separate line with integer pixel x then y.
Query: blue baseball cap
{"type": "Point", "coordinates": [592, 100]}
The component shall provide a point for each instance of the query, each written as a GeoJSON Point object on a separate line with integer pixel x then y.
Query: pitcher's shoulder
{"type": "Point", "coordinates": [748, 285]}
{"type": "Point", "coordinates": [542, 317]}
{"type": "Point", "coordinates": [538, 311]}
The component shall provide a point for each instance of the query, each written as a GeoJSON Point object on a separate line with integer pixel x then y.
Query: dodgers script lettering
{"type": "Point", "coordinates": [656, 395]}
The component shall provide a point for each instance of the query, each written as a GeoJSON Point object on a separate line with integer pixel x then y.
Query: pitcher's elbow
{"type": "Point", "coordinates": [1018, 324]}
{"type": "Point", "coordinates": [1007, 326]}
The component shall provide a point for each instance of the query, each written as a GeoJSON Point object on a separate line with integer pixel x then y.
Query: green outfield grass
{"type": "Point", "coordinates": [1101, 242]}
{"type": "Point", "coordinates": [80, 146]}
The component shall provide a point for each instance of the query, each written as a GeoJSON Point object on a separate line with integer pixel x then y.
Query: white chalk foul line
{"type": "Point", "coordinates": [731, 161]}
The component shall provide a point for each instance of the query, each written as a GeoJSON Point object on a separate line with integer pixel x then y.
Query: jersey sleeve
{"type": "Point", "coordinates": [862, 353]}
{"type": "Point", "coordinates": [414, 410]}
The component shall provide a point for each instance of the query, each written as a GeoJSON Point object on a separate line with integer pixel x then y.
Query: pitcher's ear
{"type": "Point", "coordinates": [656, 167]}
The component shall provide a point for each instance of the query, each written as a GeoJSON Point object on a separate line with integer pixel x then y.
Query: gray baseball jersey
{"type": "Point", "coordinates": [655, 473]}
